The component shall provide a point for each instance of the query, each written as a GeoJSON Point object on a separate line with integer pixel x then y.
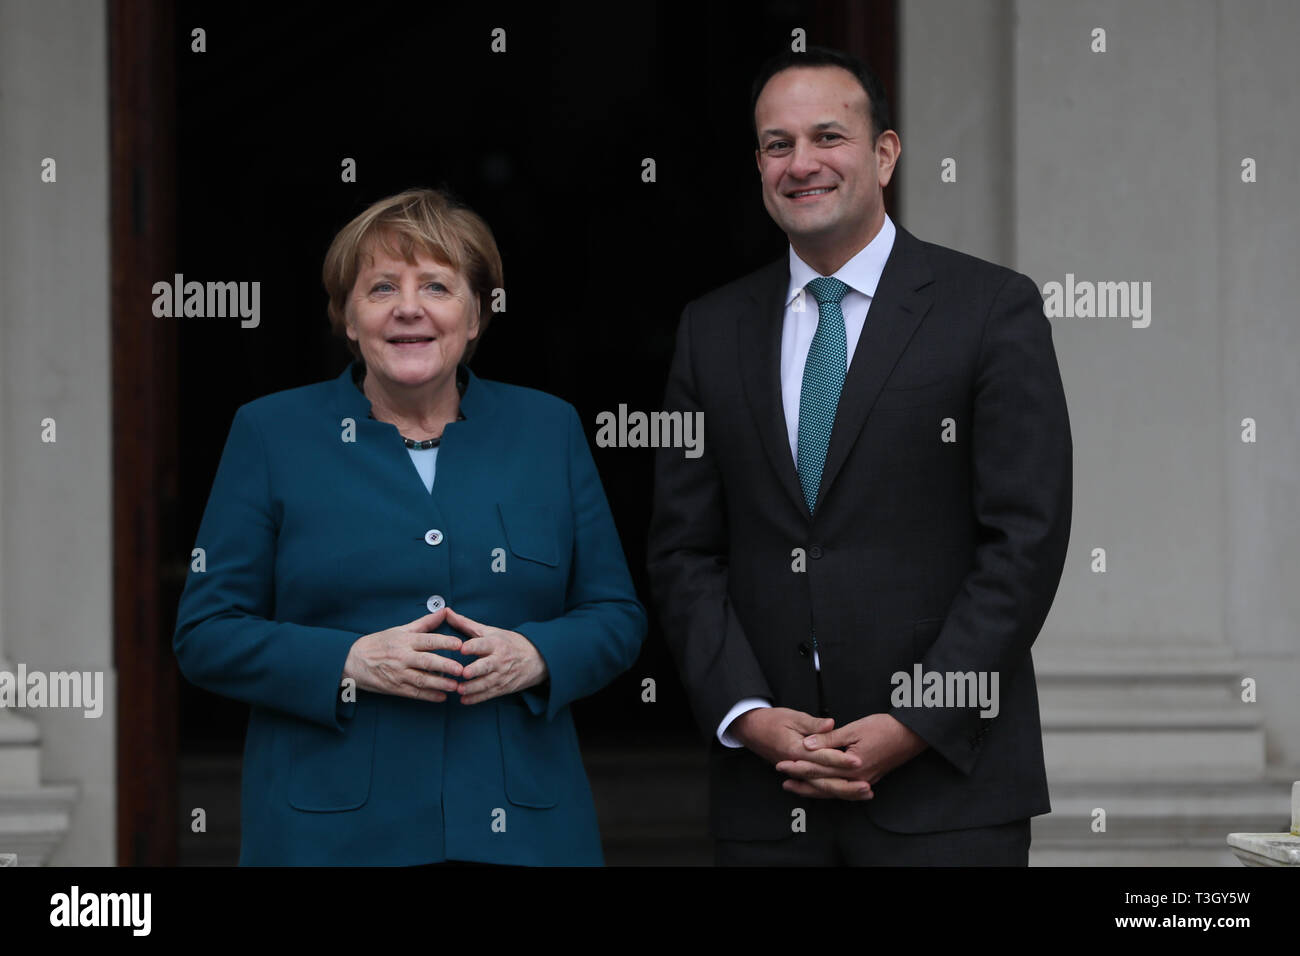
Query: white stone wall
{"type": "Point", "coordinates": [55, 507]}
{"type": "Point", "coordinates": [1126, 165]}
{"type": "Point", "coordinates": [1259, 310]}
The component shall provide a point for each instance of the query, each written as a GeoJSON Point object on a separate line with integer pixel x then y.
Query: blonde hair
{"type": "Point", "coordinates": [427, 220]}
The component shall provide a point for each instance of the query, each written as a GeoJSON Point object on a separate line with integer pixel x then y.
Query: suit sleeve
{"type": "Point", "coordinates": [1022, 460]}
{"type": "Point", "coordinates": [227, 640]}
{"type": "Point", "coordinates": [600, 634]}
{"type": "Point", "coordinates": [687, 560]}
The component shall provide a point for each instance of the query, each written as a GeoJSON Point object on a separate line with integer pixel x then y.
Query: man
{"type": "Point", "coordinates": [852, 573]}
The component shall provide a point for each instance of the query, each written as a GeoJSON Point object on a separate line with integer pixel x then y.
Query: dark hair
{"type": "Point", "coordinates": [881, 119]}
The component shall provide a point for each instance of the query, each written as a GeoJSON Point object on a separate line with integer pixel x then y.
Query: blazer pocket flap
{"type": "Point", "coordinates": [532, 754]}
{"type": "Point", "coordinates": [530, 532]}
{"type": "Point", "coordinates": [329, 770]}
{"type": "Point", "coordinates": [905, 394]}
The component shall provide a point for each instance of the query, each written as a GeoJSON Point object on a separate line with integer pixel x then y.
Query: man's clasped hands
{"type": "Point", "coordinates": [824, 761]}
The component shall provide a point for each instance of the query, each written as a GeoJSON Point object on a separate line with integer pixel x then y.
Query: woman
{"type": "Point", "coordinates": [411, 572]}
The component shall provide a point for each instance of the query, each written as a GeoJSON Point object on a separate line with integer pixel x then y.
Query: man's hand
{"type": "Point", "coordinates": [507, 661]}
{"type": "Point", "coordinates": [879, 741]}
{"type": "Point", "coordinates": [777, 734]}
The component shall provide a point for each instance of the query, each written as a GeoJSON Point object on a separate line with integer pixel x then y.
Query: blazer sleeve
{"type": "Point", "coordinates": [1022, 460]}
{"type": "Point", "coordinates": [600, 634]}
{"type": "Point", "coordinates": [226, 639]}
{"type": "Point", "coordinates": [687, 559]}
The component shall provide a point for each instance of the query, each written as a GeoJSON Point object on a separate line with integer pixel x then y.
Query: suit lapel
{"type": "Point", "coordinates": [760, 372]}
{"type": "Point", "coordinates": [901, 301]}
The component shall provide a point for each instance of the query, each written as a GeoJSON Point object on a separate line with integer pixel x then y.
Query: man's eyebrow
{"type": "Point", "coordinates": [826, 124]}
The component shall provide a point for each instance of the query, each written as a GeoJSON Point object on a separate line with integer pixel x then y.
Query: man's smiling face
{"type": "Point", "coordinates": [822, 174]}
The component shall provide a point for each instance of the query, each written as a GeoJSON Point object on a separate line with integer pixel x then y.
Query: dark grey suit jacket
{"type": "Point", "coordinates": [943, 553]}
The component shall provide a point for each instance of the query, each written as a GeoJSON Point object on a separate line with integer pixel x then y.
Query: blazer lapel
{"type": "Point", "coordinates": [760, 373]}
{"type": "Point", "coordinates": [901, 301]}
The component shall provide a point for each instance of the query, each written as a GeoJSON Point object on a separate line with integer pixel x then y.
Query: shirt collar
{"type": "Point", "coordinates": [861, 273]}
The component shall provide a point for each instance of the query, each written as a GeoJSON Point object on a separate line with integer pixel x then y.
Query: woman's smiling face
{"type": "Point", "coordinates": [411, 321]}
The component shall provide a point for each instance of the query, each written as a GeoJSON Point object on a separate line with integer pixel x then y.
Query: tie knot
{"type": "Point", "coordinates": [827, 290]}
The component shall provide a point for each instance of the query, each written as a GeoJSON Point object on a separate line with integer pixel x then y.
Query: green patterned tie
{"type": "Point", "coordinates": [823, 379]}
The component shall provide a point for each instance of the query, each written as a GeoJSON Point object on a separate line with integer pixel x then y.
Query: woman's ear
{"type": "Point", "coordinates": [475, 320]}
{"type": "Point", "coordinates": [349, 322]}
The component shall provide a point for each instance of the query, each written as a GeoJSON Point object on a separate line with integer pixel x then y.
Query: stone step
{"type": "Point", "coordinates": [33, 820]}
{"type": "Point", "coordinates": [1136, 856]}
{"type": "Point", "coordinates": [1157, 824]}
{"type": "Point", "coordinates": [1137, 681]}
{"type": "Point", "coordinates": [1127, 714]}
{"type": "Point", "coordinates": [1130, 715]}
{"type": "Point", "coordinates": [1161, 755]}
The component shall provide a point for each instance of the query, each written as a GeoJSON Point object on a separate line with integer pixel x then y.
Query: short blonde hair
{"type": "Point", "coordinates": [427, 220]}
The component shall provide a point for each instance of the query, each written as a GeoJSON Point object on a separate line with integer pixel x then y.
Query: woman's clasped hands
{"type": "Point", "coordinates": [404, 660]}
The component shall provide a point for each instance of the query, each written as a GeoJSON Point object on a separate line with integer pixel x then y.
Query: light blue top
{"type": "Point", "coordinates": [426, 463]}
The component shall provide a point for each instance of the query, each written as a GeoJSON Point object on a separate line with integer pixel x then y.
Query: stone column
{"type": "Point", "coordinates": [1124, 166]}
{"type": "Point", "coordinates": [55, 503]}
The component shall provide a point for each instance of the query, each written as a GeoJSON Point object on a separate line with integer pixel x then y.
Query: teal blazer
{"type": "Point", "coordinates": [316, 532]}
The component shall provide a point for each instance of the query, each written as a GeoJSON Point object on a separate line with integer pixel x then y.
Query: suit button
{"type": "Point", "coordinates": [433, 536]}
{"type": "Point", "coordinates": [804, 649]}
{"type": "Point", "coordinates": [815, 551]}
{"type": "Point", "coordinates": [435, 603]}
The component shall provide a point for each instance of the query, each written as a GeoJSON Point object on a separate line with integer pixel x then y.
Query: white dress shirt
{"type": "Point", "coordinates": [861, 274]}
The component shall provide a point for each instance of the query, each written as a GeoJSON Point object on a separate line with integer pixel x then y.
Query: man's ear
{"type": "Point", "coordinates": [758, 161]}
{"type": "Point", "coordinates": [889, 142]}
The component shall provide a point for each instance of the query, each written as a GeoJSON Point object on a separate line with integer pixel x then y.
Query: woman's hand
{"type": "Point", "coordinates": [507, 661]}
{"type": "Point", "coordinates": [399, 661]}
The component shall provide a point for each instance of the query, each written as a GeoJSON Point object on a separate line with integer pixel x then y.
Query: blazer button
{"type": "Point", "coordinates": [804, 649]}
{"type": "Point", "coordinates": [815, 551]}
{"type": "Point", "coordinates": [433, 536]}
{"type": "Point", "coordinates": [435, 603]}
